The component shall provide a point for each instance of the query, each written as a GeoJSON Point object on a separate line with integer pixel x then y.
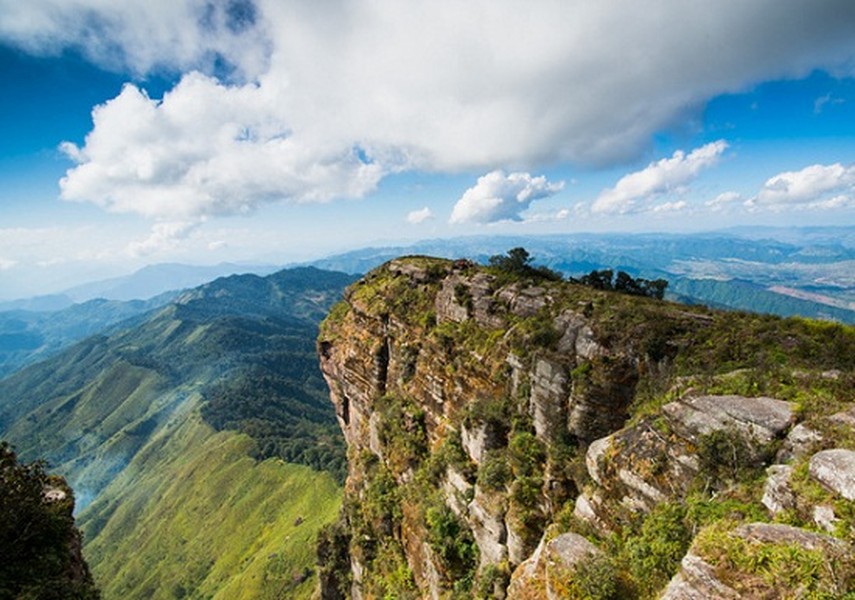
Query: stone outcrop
{"type": "Point", "coordinates": [701, 578]}
{"type": "Point", "coordinates": [641, 466]}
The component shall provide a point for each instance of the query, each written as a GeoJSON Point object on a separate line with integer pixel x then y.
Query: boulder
{"type": "Point", "coordinates": [696, 580]}
{"type": "Point", "coordinates": [700, 578]}
{"type": "Point", "coordinates": [835, 469]}
{"type": "Point", "coordinates": [798, 443]}
{"type": "Point", "coordinates": [778, 496]}
{"type": "Point", "coordinates": [760, 419]}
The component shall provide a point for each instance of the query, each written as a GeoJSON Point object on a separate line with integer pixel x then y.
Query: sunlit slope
{"type": "Point", "coordinates": [173, 431]}
{"type": "Point", "coordinates": [194, 515]}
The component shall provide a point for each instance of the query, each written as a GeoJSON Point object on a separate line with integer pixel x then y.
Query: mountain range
{"type": "Point", "coordinates": [198, 438]}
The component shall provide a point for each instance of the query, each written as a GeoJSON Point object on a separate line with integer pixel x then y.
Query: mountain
{"type": "Point", "coordinates": [806, 272]}
{"type": "Point", "coordinates": [28, 336]}
{"type": "Point", "coordinates": [199, 440]}
{"type": "Point", "coordinates": [513, 436]}
{"type": "Point", "coordinates": [153, 280]}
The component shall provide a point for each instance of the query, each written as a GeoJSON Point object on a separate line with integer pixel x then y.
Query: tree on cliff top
{"type": "Point", "coordinates": [517, 263]}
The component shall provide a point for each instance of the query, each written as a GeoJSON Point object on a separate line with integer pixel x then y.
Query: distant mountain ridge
{"type": "Point", "coordinates": [157, 279]}
{"type": "Point", "coordinates": [741, 269]}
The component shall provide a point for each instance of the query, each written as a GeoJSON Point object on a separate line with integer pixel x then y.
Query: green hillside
{"type": "Point", "coordinates": [173, 434]}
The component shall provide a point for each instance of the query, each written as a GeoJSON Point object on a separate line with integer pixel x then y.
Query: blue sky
{"type": "Point", "coordinates": [266, 131]}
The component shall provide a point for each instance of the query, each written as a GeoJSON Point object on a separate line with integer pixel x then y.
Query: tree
{"type": "Point", "coordinates": [517, 262]}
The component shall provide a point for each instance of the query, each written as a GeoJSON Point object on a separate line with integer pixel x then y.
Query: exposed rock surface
{"type": "Point", "coordinates": [699, 578]}
{"type": "Point", "coordinates": [836, 470]}
{"type": "Point", "coordinates": [641, 466]}
{"type": "Point", "coordinates": [549, 569]}
{"type": "Point", "coordinates": [778, 495]}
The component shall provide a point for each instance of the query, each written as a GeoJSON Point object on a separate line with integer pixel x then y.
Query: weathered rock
{"type": "Point", "coordinates": [548, 399]}
{"type": "Point", "coordinates": [486, 520]}
{"type": "Point", "coordinates": [594, 458]}
{"type": "Point", "coordinates": [577, 337]}
{"type": "Point", "coordinates": [478, 439]}
{"type": "Point", "coordinates": [845, 417]}
{"type": "Point", "coordinates": [798, 443]}
{"type": "Point", "coordinates": [448, 306]}
{"type": "Point", "coordinates": [696, 580]}
{"type": "Point", "coordinates": [546, 573]}
{"type": "Point", "coordinates": [824, 517]}
{"type": "Point", "coordinates": [775, 533]}
{"type": "Point", "coordinates": [456, 490]}
{"type": "Point", "coordinates": [835, 469]}
{"type": "Point", "coordinates": [562, 555]}
{"type": "Point", "coordinates": [759, 419]}
{"type": "Point", "coordinates": [407, 268]}
{"type": "Point", "coordinates": [778, 496]}
{"type": "Point", "coordinates": [524, 302]}
{"type": "Point", "coordinates": [587, 509]}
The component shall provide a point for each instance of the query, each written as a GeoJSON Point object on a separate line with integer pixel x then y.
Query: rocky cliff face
{"type": "Point", "coordinates": [524, 438]}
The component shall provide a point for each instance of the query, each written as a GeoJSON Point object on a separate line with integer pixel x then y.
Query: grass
{"type": "Point", "coordinates": [202, 519]}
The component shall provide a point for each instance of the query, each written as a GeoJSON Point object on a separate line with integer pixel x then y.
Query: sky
{"type": "Point", "coordinates": [272, 131]}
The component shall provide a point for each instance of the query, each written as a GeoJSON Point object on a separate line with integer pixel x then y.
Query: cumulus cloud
{"type": "Point", "coordinates": [500, 197]}
{"type": "Point", "coordinates": [205, 149]}
{"type": "Point", "coordinates": [819, 186]}
{"type": "Point", "coordinates": [662, 177]}
{"type": "Point", "coordinates": [335, 95]}
{"type": "Point", "coordinates": [164, 236]}
{"type": "Point", "coordinates": [419, 216]}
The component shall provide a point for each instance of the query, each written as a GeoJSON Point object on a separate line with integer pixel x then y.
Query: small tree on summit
{"type": "Point", "coordinates": [517, 262]}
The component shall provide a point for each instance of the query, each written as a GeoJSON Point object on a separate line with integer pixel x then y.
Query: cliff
{"type": "Point", "coordinates": [514, 436]}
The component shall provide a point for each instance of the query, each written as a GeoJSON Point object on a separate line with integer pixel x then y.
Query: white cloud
{"type": "Point", "coordinates": [204, 149]}
{"type": "Point", "coordinates": [439, 85]}
{"type": "Point", "coordinates": [500, 197]}
{"type": "Point", "coordinates": [143, 36]}
{"type": "Point", "coordinates": [810, 186]}
{"type": "Point", "coordinates": [662, 177]}
{"type": "Point", "coordinates": [6, 263]}
{"type": "Point", "coordinates": [164, 236]}
{"type": "Point", "coordinates": [723, 200]}
{"type": "Point", "coordinates": [419, 216]}
{"type": "Point", "coordinates": [670, 206]}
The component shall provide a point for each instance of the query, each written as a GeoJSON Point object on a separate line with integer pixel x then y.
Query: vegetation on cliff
{"type": "Point", "coordinates": [39, 545]}
{"type": "Point", "coordinates": [505, 409]}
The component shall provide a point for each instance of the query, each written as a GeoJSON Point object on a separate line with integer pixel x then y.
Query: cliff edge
{"type": "Point", "coordinates": [513, 436]}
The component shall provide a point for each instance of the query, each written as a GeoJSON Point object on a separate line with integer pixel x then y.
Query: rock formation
{"type": "Point", "coordinates": [502, 430]}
